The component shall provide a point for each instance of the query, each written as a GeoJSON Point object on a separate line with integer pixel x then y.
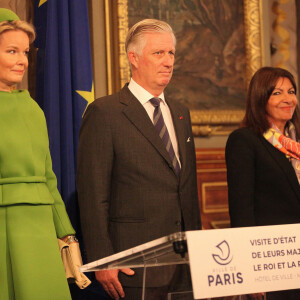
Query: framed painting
{"type": "Point", "coordinates": [219, 47]}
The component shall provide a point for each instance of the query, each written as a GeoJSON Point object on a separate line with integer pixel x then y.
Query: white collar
{"type": "Point", "coordinates": [141, 94]}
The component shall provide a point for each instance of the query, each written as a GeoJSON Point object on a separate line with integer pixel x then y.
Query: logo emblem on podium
{"type": "Point", "coordinates": [224, 256]}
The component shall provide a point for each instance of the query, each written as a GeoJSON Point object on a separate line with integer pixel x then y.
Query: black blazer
{"type": "Point", "coordinates": [128, 191]}
{"type": "Point", "coordinates": [262, 185]}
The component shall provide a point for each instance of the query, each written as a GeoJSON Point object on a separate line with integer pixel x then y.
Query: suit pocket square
{"type": "Point", "coordinates": [188, 140]}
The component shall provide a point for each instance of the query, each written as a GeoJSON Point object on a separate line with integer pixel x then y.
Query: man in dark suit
{"type": "Point", "coordinates": [136, 168]}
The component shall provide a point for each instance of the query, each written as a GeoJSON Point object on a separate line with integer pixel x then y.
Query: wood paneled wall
{"type": "Point", "coordinates": [212, 188]}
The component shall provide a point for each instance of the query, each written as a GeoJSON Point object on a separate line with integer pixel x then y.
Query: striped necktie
{"type": "Point", "coordinates": [162, 130]}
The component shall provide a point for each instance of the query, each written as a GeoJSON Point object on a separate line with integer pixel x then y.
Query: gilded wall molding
{"type": "Point", "coordinates": [123, 29]}
{"type": "Point", "coordinates": [253, 36]}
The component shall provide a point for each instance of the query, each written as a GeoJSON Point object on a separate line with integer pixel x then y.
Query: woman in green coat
{"type": "Point", "coordinates": [32, 213]}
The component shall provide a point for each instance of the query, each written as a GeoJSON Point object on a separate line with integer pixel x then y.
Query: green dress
{"type": "Point", "coordinates": [32, 213]}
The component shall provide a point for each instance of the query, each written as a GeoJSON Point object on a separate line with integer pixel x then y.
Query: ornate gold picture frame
{"type": "Point", "coordinates": [206, 122]}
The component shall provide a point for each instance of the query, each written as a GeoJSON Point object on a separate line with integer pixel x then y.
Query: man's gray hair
{"type": "Point", "coordinates": [135, 38]}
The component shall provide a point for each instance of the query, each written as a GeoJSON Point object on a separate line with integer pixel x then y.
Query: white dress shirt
{"type": "Point", "coordinates": [144, 96]}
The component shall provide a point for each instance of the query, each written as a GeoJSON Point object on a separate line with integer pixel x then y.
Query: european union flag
{"type": "Point", "coordinates": [64, 86]}
{"type": "Point", "coordinates": [64, 83]}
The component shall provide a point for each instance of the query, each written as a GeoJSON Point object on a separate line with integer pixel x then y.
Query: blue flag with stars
{"type": "Point", "coordinates": [64, 87]}
{"type": "Point", "coordinates": [64, 84]}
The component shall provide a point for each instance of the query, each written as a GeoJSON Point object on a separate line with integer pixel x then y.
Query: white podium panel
{"type": "Point", "coordinates": [238, 261]}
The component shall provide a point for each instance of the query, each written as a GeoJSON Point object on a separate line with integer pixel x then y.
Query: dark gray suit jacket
{"type": "Point", "coordinates": [128, 191]}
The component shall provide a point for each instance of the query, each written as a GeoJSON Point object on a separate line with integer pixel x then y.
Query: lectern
{"type": "Point", "coordinates": [223, 262]}
{"type": "Point", "coordinates": [165, 251]}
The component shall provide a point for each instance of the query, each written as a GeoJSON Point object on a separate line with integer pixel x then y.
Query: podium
{"type": "Point", "coordinates": [222, 262]}
{"type": "Point", "coordinates": [166, 251]}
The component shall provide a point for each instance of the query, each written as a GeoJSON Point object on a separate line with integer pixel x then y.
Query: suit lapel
{"type": "Point", "coordinates": [284, 164]}
{"type": "Point", "coordinates": [138, 116]}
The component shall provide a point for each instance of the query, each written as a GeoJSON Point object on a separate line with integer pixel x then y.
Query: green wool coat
{"type": "Point", "coordinates": [32, 213]}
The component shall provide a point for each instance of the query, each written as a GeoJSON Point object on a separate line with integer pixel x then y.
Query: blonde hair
{"type": "Point", "coordinates": [135, 38]}
{"type": "Point", "coordinates": [18, 25]}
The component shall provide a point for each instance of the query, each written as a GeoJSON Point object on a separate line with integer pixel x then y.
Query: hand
{"type": "Point", "coordinates": [110, 281]}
